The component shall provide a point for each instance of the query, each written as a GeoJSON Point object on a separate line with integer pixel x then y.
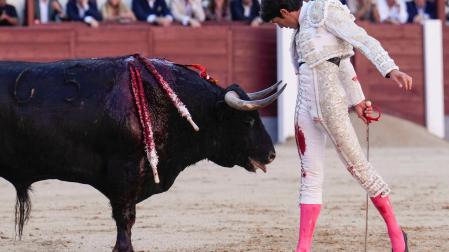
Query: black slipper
{"type": "Point", "coordinates": [405, 240]}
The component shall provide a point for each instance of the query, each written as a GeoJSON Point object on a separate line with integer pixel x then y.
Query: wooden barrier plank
{"type": "Point", "coordinates": [264, 34]}
{"type": "Point", "coordinates": [111, 35]}
{"type": "Point", "coordinates": [182, 41]}
{"type": "Point", "coordinates": [388, 31]}
{"type": "Point", "coordinates": [403, 47]}
{"type": "Point", "coordinates": [119, 40]}
{"type": "Point", "coordinates": [411, 63]}
{"type": "Point", "coordinates": [35, 51]}
{"type": "Point", "coordinates": [206, 47]}
{"type": "Point", "coordinates": [24, 35]}
{"type": "Point", "coordinates": [98, 49]}
{"type": "Point", "coordinates": [181, 34]}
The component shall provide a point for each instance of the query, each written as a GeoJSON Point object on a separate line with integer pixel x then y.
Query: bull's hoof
{"type": "Point", "coordinates": [123, 248]}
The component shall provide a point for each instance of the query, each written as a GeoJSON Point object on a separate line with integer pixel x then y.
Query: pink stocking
{"type": "Point", "coordinates": [309, 216]}
{"type": "Point", "coordinates": [385, 209]}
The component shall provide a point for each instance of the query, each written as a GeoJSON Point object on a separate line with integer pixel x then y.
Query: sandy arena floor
{"type": "Point", "coordinates": [211, 208]}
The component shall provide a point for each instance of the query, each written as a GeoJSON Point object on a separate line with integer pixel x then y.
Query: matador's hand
{"type": "Point", "coordinates": [402, 79]}
{"type": "Point", "coordinates": [363, 109]}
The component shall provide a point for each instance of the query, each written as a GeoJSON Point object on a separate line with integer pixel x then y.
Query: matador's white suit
{"type": "Point", "coordinates": [328, 85]}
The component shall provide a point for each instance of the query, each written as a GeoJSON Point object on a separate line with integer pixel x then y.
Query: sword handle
{"type": "Point", "coordinates": [376, 109]}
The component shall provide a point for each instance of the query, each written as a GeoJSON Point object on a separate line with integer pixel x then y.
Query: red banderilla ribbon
{"type": "Point", "coordinates": [203, 73]}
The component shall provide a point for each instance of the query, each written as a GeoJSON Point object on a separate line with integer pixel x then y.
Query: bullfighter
{"type": "Point", "coordinates": [324, 38]}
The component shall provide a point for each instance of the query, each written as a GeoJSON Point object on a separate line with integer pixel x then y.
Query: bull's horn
{"type": "Point", "coordinates": [233, 100]}
{"type": "Point", "coordinates": [263, 93]}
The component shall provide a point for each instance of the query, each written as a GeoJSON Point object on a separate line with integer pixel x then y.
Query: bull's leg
{"type": "Point", "coordinates": [125, 178]}
{"type": "Point", "coordinates": [124, 216]}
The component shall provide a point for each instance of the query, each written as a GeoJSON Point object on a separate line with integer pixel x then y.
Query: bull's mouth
{"type": "Point", "coordinates": [257, 165]}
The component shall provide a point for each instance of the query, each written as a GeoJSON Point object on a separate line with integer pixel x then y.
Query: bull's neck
{"type": "Point", "coordinates": [192, 146]}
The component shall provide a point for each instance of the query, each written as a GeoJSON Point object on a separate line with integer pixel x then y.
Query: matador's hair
{"type": "Point", "coordinates": [270, 9]}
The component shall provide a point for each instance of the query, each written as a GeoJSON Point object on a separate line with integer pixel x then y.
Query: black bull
{"type": "Point", "coordinates": [76, 121]}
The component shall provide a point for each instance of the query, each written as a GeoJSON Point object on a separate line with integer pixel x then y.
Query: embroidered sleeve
{"type": "Point", "coordinates": [340, 22]}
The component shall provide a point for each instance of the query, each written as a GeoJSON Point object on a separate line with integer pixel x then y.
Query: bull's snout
{"type": "Point", "coordinates": [271, 156]}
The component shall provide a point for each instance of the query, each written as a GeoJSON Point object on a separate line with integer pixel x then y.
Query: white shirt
{"type": "Point", "coordinates": [151, 3]}
{"type": "Point", "coordinates": [82, 10]}
{"type": "Point", "coordinates": [43, 9]}
{"type": "Point", "coordinates": [397, 13]}
{"type": "Point", "coordinates": [247, 10]}
{"type": "Point", "coordinates": [423, 14]}
{"type": "Point", "coordinates": [152, 18]}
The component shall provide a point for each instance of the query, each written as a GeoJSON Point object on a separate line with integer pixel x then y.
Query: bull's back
{"type": "Point", "coordinates": [55, 118]}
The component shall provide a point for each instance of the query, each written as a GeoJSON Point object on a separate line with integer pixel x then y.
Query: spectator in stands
{"type": "Point", "coordinates": [364, 9]}
{"type": "Point", "coordinates": [84, 10]}
{"type": "Point", "coordinates": [420, 10]}
{"type": "Point", "coordinates": [116, 10]}
{"type": "Point", "coordinates": [392, 11]}
{"type": "Point", "coordinates": [246, 10]}
{"type": "Point", "coordinates": [188, 12]}
{"type": "Point", "coordinates": [152, 11]}
{"type": "Point", "coordinates": [217, 10]}
{"type": "Point", "coordinates": [46, 11]}
{"type": "Point", "coordinates": [8, 14]}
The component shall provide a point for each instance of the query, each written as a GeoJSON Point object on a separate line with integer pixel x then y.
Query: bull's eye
{"type": "Point", "coordinates": [250, 122]}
